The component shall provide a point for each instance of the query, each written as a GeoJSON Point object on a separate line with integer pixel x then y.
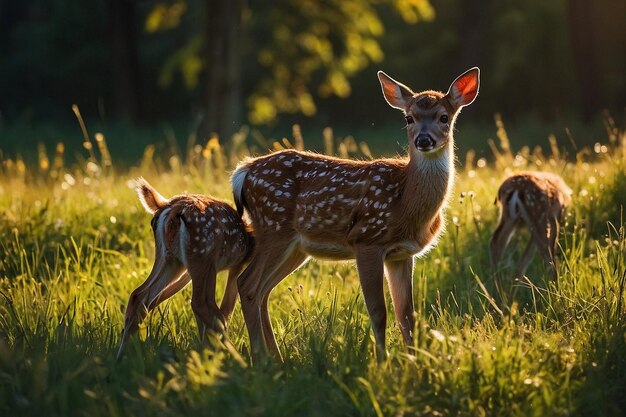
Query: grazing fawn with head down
{"type": "Point", "coordinates": [381, 213]}
{"type": "Point", "coordinates": [195, 237]}
{"type": "Point", "coordinates": [537, 201]}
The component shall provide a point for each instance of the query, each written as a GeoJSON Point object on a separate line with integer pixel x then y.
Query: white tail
{"type": "Point", "coordinates": [380, 212]}
{"type": "Point", "coordinates": [195, 237]}
{"type": "Point", "coordinates": [535, 200]}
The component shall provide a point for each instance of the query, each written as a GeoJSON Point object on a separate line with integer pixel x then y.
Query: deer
{"type": "Point", "coordinates": [195, 237]}
{"type": "Point", "coordinates": [537, 201]}
{"type": "Point", "coordinates": [381, 213]}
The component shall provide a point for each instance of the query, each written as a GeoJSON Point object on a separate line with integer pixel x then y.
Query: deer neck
{"type": "Point", "coordinates": [429, 180]}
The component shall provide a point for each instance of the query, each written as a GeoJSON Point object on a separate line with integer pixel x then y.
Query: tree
{"type": "Point", "coordinates": [300, 50]}
{"type": "Point", "coordinates": [223, 86]}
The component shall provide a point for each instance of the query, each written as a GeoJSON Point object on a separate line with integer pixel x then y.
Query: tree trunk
{"type": "Point", "coordinates": [124, 59]}
{"type": "Point", "coordinates": [223, 93]}
{"type": "Point", "coordinates": [582, 35]}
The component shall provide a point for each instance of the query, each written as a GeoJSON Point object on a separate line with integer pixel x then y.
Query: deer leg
{"type": "Point", "coordinates": [268, 330]}
{"type": "Point", "coordinates": [203, 278]}
{"type": "Point", "coordinates": [544, 240]}
{"type": "Point", "coordinates": [230, 292]}
{"type": "Point", "coordinates": [529, 252]}
{"type": "Point", "coordinates": [369, 262]}
{"type": "Point", "coordinates": [500, 239]}
{"type": "Point", "coordinates": [400, 281]}
{"type": "Point", "coordinates": [255, 285]}
{"type": "Point", "coordinates": [247, 284]}
{"type": "Point", "coordinates": [290, 262]}
{"type": "Point", "coordinates": [552, 244]}
{"type": "Point", "coordinates": [541, 236]}
{"type": "Point", "coordinates": [165, 279]}
{"type": "Point", "coordinates": [172, 288]}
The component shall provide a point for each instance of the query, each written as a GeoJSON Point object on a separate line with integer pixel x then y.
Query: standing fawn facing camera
{"type": "Point", "coordinates": [195, 237]}
{"type": "Point", "coordinates": [381, 213]}
{"type": "Point", "coordinates": [537, 201]}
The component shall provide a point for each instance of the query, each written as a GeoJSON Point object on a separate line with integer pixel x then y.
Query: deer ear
{"type": "Point", "coordinates": [464, 89]}
{"type": "Point", "coordinates": [150, 198]}
{"type": "Point", "coordinates": [396, 94]}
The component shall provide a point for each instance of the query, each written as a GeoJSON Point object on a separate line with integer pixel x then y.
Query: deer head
{"type": "Point", "coordinates": [430, 115]}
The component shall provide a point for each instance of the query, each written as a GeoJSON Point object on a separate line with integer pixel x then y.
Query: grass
{"type": "Point", "coordinates": [75, 242]}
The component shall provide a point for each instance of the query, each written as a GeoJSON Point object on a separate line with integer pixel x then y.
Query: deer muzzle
{"type": "Point", "coordinates": [424, 142]}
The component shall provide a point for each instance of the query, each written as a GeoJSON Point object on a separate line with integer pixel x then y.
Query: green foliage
{"type": "Point", "coordinates": [314, 48]}
{"type": "Point", "coordinates": [304, 49]}
{"type": "Point", "coordinates": [304, 57]}
{"type": "Point", "coordinates": [76, 243]}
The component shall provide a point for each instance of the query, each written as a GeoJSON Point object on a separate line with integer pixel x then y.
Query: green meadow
{"type": "Point", "coordinates": [75, 241]}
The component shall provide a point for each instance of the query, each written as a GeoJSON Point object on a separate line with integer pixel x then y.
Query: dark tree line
{"type": "Point", "coordinates": [238, 61]}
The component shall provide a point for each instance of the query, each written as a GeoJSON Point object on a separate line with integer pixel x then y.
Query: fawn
{"type": "Point", "coordinates": [536, 200]}
{"type": "Point", "coordinates": [195, 237]}
{"type": "Point", "coordinates": [381, 213]}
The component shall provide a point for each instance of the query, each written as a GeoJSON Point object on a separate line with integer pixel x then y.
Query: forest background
{"type": "Point", "coordinates": [162, 71]}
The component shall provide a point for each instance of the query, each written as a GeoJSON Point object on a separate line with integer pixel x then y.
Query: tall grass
{"type": "Point", "coordinates": [74, 243]}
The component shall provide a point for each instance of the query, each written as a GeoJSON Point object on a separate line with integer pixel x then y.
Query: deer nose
{"type": "Point", "coordinates": [424, 142]}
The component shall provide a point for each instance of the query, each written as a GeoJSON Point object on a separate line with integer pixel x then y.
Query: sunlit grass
{"type": "Point", "coordinates": [75, 242]}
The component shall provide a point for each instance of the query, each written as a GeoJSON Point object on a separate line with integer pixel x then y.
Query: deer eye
{"type": "Point", "coordinates": [443, 118]}
{"type": "Point", "coordinates": [409, 119]}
